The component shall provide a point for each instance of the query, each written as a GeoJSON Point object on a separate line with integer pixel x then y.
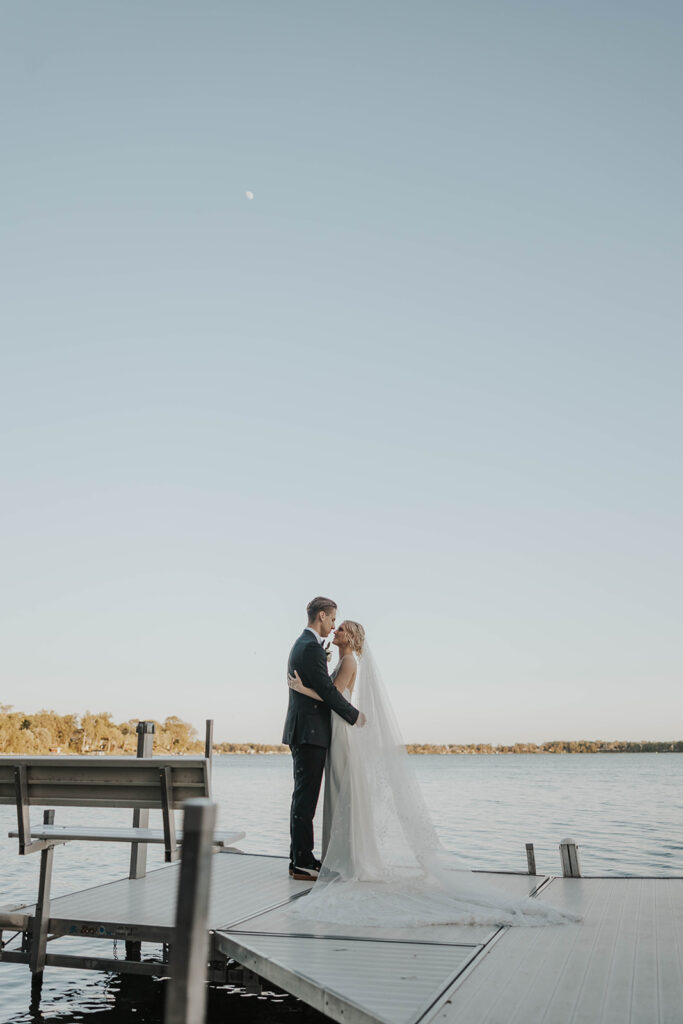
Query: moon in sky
{"type": "Point", "coordinates": [249, 195]}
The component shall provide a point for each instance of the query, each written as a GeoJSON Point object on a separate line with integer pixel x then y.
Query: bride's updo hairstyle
{"type": "Point", "coordinates": [356, 635]}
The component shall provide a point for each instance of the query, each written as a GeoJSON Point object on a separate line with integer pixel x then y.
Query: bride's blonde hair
{"type": "Point", "coordinates": [355, 633]}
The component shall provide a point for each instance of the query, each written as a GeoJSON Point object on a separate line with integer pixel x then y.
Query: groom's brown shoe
{"type": "Point", "coordinates": [304, 874]}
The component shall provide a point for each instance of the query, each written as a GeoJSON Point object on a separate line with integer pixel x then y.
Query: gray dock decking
{"type": "Point", "coordinates": [143, 909]}
{"type": "Point", "coordinates": [622, 963]}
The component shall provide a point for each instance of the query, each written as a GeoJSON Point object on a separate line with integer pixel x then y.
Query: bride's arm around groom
{"type": "Point", "coordinates": [307, 721]}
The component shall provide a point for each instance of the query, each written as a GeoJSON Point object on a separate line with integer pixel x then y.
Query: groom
{"type": "Point", "coordinates": [308, 731]}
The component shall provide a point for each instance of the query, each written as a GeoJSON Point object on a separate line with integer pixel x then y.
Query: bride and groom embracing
{"type": "Point", "coordinates": [382, 862]}
{"type": "Point", "coordinates": [316, 740]}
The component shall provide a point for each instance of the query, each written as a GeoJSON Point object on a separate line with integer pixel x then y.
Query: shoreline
{"type": "Point", "coordinates": [417, 749]}
{"type": "Point", "coordinates": [413, 749]}
{"type": "Point", "coordinates": [46, 732]}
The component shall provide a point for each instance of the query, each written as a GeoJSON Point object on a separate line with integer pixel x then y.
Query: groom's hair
{"type": "Point", "coordinates": [319, 604]}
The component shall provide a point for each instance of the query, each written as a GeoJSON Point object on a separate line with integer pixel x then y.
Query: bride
{"type": "Point", "coordinates": [383, 863]}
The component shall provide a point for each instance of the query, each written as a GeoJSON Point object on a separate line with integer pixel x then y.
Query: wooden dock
{"type": "Point", "coordinates": [622, 962]}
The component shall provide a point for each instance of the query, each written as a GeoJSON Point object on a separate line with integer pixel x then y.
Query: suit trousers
{"type": "Point", "coordinates": [308, 763]}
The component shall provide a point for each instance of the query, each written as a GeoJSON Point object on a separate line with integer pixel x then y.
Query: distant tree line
{"type": "Point", "coordinates": [250, 748]}
{"type": "Point", "coordinates": [46, 732]}
{"type": "Point", "coordinates": [552, 747]}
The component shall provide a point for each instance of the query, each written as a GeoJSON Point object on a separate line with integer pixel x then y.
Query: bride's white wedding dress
{"type": "Point", "coordinates": [383, 864]}
{"type": "Point", "coordinates": [335, 769]}
{"type": "Point", "coordinates": [337, 756]}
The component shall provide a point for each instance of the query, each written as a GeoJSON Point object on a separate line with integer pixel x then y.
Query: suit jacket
{"type": "Point", "coordinates": [308, 720]}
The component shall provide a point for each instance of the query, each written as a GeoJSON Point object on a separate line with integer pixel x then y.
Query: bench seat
{"type": "Point", "coordinates": [67, 833]}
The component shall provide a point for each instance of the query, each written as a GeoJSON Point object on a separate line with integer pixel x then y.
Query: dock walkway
{"type": "Point", "coordinates": [622, 963]}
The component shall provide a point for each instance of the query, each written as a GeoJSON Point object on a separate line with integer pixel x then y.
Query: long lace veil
{"type": "Point", "coordinates": [385, 865]}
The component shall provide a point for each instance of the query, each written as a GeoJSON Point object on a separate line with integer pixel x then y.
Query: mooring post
{"type": "Point", "coordinates": [208, 748]}
{"type": "Point", "coordinates": [186, 991]}
{"type": "Point", "coordinates": [569, 855]}
{"type": "Point", "coordinates": [531, 858]}
{"type": "Point", "coordinates": [138, 851]}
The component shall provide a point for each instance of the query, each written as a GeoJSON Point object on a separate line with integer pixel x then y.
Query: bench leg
{"type": "Point", "coordinates": [138, 851]}
{"type": "Point", "coordinates": [42, 916]}
{"type": "Point", "coordinates": [171, 851]}
{"type": "Point", "coordinates": [23, 813]}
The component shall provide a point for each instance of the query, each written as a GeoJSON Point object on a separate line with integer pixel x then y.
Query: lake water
{"type": "Point", "coordinates": [624, 810]}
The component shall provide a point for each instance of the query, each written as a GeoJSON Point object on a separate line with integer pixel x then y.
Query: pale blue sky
{"type": "Point", "coordinates": [432, 370]}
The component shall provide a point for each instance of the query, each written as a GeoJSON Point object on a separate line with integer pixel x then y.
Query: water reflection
{"type": "Point", "coordinates": [119, 998]}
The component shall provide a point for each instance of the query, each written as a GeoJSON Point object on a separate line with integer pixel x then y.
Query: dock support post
{"type": "Point", "coordinates": [170, 840]}
{"type": "Point", "coordinates": [42, 913]}
{"type": "Point", "coordinates": [531, 858]}
{"type": "Point", "coordinates": [251, 982]}
{"type": "Point", "coordinates": [138, 851]}
{"type": "Point", "coordinates": [569, 855]}
{"type": "Point", "coordinates": [186, 991]}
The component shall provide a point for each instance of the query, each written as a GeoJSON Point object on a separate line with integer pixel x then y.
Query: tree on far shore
{"type": "Point", "coordinates": [46, 732]}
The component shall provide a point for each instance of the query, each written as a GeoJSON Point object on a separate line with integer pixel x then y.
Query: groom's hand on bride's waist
{"type": "Point", "coordinates": [361, 720]}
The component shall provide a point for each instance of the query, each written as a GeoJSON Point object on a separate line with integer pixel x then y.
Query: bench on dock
{"type": "Point", "coordinates": [139, 783]}
{"type": "Point", "coordinates": [161, 783]}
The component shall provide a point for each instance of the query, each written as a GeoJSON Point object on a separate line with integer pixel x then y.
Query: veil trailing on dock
{"type": "Point", "coordinates": [384, 864]}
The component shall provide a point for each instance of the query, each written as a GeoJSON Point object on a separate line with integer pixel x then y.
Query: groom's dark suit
{"type": "Point", "coordinates": [308, 731]}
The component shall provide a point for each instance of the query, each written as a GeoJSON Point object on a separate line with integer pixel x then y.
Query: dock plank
{"type": "Point", "coordinates": [241, 885]}
{"type": "Point", "coordinates": [669, 955]}
{"type": "Point", "coordinates": [351, 980]}
{"type": "Point", "coordinates": [607, 968]}
{"type": "Point", "coordinates": [282, 921]}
